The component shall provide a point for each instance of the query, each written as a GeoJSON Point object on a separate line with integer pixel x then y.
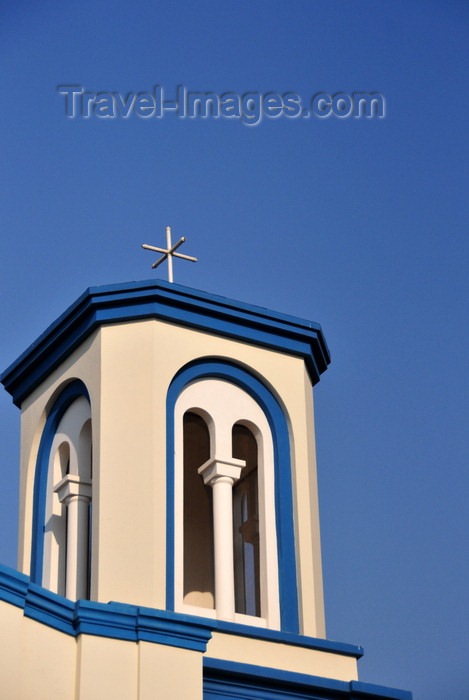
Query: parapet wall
{"type": "Point", "coordinates": [51, 647]}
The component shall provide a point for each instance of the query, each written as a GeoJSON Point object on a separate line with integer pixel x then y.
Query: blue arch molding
{"type": "Point", "coordinates": [71, 392]}
{"type": "Point", "coordinates": [201, 369]}
{"type": "Point", "coordinates": [168, 302]}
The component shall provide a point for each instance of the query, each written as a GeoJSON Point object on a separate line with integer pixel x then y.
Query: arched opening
{"type": "Point", "coordinates": [199, 587]}
{"type": "Point", "coordinates": [55, 525]}
{"type": "Point", "coordinates": [246, 524]}
{"type": "Point", "coordinates": [225, 536]}
{"type": "Point", "coordinates": [64, 487]}
{"type": "Point", "coordinates": [85, 472]}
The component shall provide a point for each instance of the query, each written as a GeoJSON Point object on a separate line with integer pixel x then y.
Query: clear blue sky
{"type": "Point", "coordinates": [359, 224]}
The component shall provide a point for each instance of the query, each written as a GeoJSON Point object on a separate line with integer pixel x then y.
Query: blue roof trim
{"type": "Point", "coordinates": [131, 622]}
{"type": "Point", "coordinates": [288, 638]}
{"type": "Point", "coordinates": [106, 620]}
{"type": "Point", "coordinates": [368, 691]}
{"type": "Point", "coordinates": [229, 679]}
{"type": "Point", "coordinates": [114, 620]}
{"type": "Point", "coordinates": [50, 609]}
{"type": "Point", "coordinates": [13, 586]}
{"type": "Point", "coordinates": [169, 302]}
{"type": "Point", "coordinates": [170, 628]}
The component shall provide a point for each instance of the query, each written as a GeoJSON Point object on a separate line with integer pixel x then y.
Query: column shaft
{"type": "Point", "coordinates": [77, 547]}
{"type": "Point", "coordinates": [223, 546]}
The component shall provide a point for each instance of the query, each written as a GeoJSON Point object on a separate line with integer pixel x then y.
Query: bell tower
{"type": "Point", "coordinates": [121, 399]}
{"type": "Point", "coordinates": [168, 504]}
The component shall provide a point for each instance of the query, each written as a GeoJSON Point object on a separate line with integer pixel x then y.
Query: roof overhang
{"type": "Point", "coordinates": [133, 301]}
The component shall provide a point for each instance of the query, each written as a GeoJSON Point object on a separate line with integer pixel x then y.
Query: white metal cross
{"type": "Point", "coordinates": [169, 253]}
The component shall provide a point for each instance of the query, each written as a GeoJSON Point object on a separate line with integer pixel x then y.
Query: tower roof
{"type": "Point", "coordinates": [173, 303]}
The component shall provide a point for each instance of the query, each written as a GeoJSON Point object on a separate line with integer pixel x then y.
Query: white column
{"type": "Point", "coordinates": [76, 495]}
{"type": "Point", "coordinates": [221, 475]}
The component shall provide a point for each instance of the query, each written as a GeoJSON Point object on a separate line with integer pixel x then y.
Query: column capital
{"type": "Point", "coordinates": [71, 485]}
{"type": "Point", "coordinates": [217, 468]}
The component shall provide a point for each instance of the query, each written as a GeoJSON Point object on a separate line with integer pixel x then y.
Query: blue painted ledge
{"type": "Point", "coordinates": [115, 620]}
{"type": "Point", "coordinates": [134, 623]}
{"type": "Point", "coordinates": [222, 678]}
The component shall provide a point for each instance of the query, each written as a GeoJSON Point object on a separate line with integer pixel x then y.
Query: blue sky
{"type": "Point", "coordinates": [359, 224]}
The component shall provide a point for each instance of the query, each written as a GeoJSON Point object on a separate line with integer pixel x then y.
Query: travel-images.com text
{"type": "Point", "coordinates": [250, 107]}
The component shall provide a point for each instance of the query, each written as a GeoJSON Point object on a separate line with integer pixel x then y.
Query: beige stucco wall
{"type": "Point", "coordinates": [41, 663]}
{"type": "Point", "coordinates": [127, 369]}
{"type": "Point", "coordinates": [11, 620]}
{"type": "Point", "coordinates": [161, 668]}
{"type": "Point", "coordinates": [282, 656]}
{"type": "Point", "coordinates": [106, 668]}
